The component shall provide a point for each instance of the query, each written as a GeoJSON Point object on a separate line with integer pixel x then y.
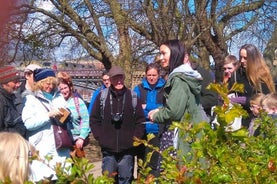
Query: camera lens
{"type": "Point", "coordinates": [116, 117]}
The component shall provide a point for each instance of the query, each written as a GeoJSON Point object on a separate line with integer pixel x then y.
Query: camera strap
{"type": "Point", "coordinates": [123, 103]}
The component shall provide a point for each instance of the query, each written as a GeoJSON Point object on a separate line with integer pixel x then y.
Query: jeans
{"type": "Point", "coordinates": [122, 164]}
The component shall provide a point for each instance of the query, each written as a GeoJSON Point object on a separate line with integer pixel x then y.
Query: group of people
{"type": "Point", "coordinates": [259, 88]}
{"type": "Point", "coordinates": [117, 114]}
{"type": "Point", "coordinates": [31, 107]}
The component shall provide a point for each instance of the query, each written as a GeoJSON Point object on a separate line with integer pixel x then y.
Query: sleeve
{"type": "Point", "coordinates": [2, 117]}
{"type": "Point", "coordinates": [96, 92]}
{"type": "Point", "coordinates": [95, 118]}
{"type": "Point", "coordinates": [176, 102]}
{"type": "Point", "coordinates": [34, 115]}
{"type": "Point", "coordinates": [140, 119]}
{"type": "Point", "coordinates": [208, 98]}
{"type": "Point", "coordinates": [85, 129]}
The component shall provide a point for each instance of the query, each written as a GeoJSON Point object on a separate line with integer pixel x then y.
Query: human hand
{"type": "Point", "coordinates": [143, 106]}
{"type": "Point", "coordinates": [55, 113]}
{"type": "Point", "coordinates": [151, 114]}
{"type": "Point", "coordinates": [79, 143]}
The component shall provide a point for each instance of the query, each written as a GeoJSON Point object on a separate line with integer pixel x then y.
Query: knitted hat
{"type": "Point", "coordinates": [116, 70]}
{"type": "Point", "coordinates": [31, 68]}
{"type": "Point", "coordinates": [42, 73]}
{"type": "Point", "coordinates": [8, 73]}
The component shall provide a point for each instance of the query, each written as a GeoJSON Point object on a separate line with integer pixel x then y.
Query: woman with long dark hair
{"type": "Point", "coordinates": [181, 93]}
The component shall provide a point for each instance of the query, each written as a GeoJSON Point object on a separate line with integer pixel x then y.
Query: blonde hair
{"type": "Point", "coordinates": [256, 99]}
{"type": "Point", "coordinates": [270, 101]}
{"type": "Point", "coordinates": [231, 59]}
{"type": "Point", "coordinates": [14, 151]}
{"type": "Point", "coordinates": [39, 84]}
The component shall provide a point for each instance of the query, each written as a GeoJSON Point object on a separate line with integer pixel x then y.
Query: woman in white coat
{"type": "Point", "coordinates": [40, 108]}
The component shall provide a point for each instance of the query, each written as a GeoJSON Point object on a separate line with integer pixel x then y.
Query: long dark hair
{"type": "Point", "coordinates": [177, 53]}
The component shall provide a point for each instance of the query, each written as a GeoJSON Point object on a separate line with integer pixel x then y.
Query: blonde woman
{"type": "Point", "coordinates": [15, 160]}
{"type": "Point", "coordinates": [41, 108]}
{"type": "Point", "coordinates": [14, 151]}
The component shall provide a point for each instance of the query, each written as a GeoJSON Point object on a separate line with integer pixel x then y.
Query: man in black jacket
{"type": "Point", "coordinates": [115, 122]}
{"type": "Point", "coordinates": [10, 116]}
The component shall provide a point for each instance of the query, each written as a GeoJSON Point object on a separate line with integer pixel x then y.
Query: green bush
{"type": "Point", "coordinates": [218, 156]}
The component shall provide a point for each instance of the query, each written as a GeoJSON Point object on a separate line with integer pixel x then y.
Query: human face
{"type": "Point", "coordinates": [164, 56]}
{"type": "Point", "coordinates": [65, 90]}
{"type": "Point", "coordinates": [106, 80]}
{"type": "Point", "coordinates": [269, 110]}
{"type": "Point", "coordinates": [228, 69]}
{"type": "Point", "coordinates": [29, 78]}
{"type": "Point", "coordinates": [47, 86]}
{"type": "Point", "coordinates": [117, 82]}
{"type": "Point", "coordinates": [152, 76]}
{"type": "Point", "coordinates": [12, 86]}
{"type": "Point", "coordinates": [255, 109]}
{"type": "Point", "coordinates": [243, 56]}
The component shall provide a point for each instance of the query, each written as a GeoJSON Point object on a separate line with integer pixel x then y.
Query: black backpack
{"type": "Point", "coordinates": [103, 97]}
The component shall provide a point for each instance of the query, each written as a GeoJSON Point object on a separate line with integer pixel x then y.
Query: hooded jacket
{"type": "Point", "coordinates": [152, 97]}
{"type": "Point", "coordinates": [181, 92]}
{"type": "Point", "coordinates": [39, 126]}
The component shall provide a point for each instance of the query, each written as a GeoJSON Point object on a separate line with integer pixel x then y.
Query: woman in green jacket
{"type": "Point", "coordinates": [181, 91]}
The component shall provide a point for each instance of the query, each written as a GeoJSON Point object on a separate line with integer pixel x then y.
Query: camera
{"type": "Point", "coordinates": [117, 117]}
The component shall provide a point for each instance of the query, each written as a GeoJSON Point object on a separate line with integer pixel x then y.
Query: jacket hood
{"type": "Point", "coordinates": [190, 76]}
{"type": "Point", "coordinates": [187, 70]}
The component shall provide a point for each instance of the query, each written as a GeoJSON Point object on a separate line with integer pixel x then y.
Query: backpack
{"type": "Point", "coordinates": [103, 97]}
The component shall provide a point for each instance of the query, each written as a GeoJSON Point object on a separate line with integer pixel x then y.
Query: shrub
{"type": "Point", "coordinates": [219, 156]}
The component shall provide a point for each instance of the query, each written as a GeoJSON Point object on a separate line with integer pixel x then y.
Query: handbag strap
{"type": "Point", "coordinates": [42, 103]}
{"type": "Point", "coordinates": [77, 105]}
{"type": "Point", "coordinates": [51, 120]}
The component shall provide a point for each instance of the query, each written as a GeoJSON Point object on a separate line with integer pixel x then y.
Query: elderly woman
{"type": "Point", "coordinates": [40, 111]}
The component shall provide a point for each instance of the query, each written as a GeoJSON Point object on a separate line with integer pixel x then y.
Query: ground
{"type": "Point", "coordinates": [92, 150]}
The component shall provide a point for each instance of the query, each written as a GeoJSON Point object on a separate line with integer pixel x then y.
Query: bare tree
{"type": "Point", "coordinates": [270, 53]}
{"type": "Point", "coordinates": [126, 31]}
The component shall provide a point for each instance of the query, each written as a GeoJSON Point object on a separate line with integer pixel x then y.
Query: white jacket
{"type": "Point", "coordinates": [40, 131]}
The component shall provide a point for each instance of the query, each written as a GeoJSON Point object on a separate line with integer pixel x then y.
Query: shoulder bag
{"type": "Point", "coordinates": [63, 138]}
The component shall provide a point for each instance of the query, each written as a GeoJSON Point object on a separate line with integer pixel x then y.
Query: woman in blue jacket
{"type": "Point", "coordinates": [150, 91]}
